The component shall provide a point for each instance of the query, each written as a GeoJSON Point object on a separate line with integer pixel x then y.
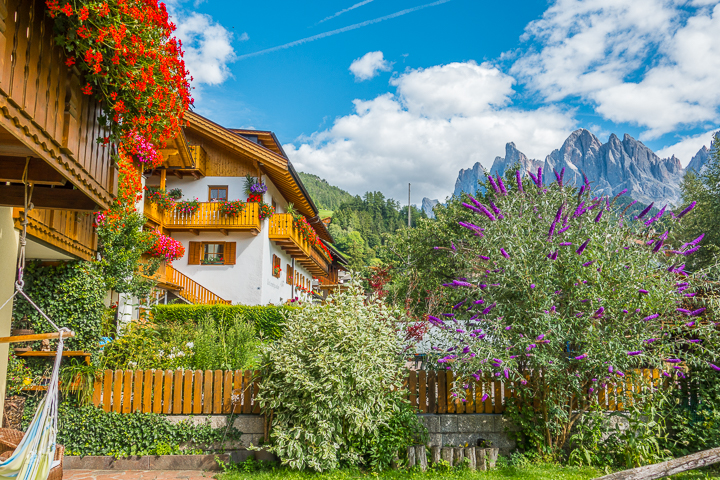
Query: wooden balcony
{"type": "Point", "coordinates": [70, 231]}
{"type": "Point", "coordinates": [208, 217]}
{"type": "Point", "coordinates": [168, 278]}
{"type": "Point", "coordinates": [48, 126]}
{"type": "Point", "coordinates": [153, 213]}
{"type": "Point", "coordinates": [283, 232]}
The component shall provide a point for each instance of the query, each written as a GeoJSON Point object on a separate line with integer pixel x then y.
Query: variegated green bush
{"type": "Point", "coordinates": [331, 385]}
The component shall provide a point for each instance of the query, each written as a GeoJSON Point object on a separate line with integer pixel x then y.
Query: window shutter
{"type": "Point", "coordinates": [194, 254]}
{"type": "Point", "coordinates": [229, 253]}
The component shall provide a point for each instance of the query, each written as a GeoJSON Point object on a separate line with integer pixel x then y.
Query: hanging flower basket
{"type": "Point", "coordinates": [187, 207]}
{"type": "Point", "coordinates": [265, 210]}
{"type": "Point", "coordinates": [233, 208]}
{"type": "Point", "coordinates": [158, 197]}
{"type": "Point", "coordinates": [166, 248]}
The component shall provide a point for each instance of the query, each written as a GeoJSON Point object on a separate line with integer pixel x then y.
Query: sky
{"type": "Point", "coordinates": [375, 94]}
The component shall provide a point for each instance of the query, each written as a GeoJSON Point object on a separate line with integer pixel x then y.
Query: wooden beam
{"type": "Point", "coordinates": [39, 172]}
{"type": "Point", "coordinates": [195, 231]}
{"type": "Point", "coordinates": [37, 336]}
{"type": "Point", "coordinates": [163, 178]}
{"type": "Point", "coordinates": [195, 174]}
{"type": "Point", "coordinates": [224, 231]}
{"type": "Point", "coordinates": [666, 469]}
{"type": "Point", "coordinates": [177, 173]}
{"type": "Point", "coordinates": [46, 197]}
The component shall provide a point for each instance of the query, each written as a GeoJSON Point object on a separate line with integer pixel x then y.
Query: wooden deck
{"type": "Point", "coordinates": [283, 232]}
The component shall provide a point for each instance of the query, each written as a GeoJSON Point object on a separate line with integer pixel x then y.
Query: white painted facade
{"type": "Point", "coordinates": [250, 281]}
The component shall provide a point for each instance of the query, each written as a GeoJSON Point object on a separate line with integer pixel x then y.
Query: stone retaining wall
{"type": "Point", "coordinates": [251, 426]}
{"type": "Point", "coordinates": [454, 430]}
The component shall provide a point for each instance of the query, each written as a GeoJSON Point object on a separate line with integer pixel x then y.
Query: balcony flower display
{"type": "Point", "coordinates": [306, 231]}
{"type": "Point", "coordinates": [158, 197]}
{"type": "Point", "coordinates": [187, 207]}
{"type": "Point", "coordinates": [175, 193]}
{"type": "Point", "coordinates": [232, 208]}
{"type": "Point", "coordinates": [277, 271]}
{"type": "Point", "coordinates": [265, 210]}
{"type": "Point", "coordinates": [254, 188]}
{"type": "Point", "coordinates": [166, 248]}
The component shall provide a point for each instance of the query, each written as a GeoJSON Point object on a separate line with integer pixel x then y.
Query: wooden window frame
{"type": "Point", "coordinates": [217, 187]}
{"type": "Point", "coordinates": [289, 273]}
{"type": "Point", "coordinates": [276, 262]}
{"type": "Point", "coordinates": [196, 254]}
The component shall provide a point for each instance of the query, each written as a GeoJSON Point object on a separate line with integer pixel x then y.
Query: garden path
{"type": "Point", "coordinates": [137, 475]}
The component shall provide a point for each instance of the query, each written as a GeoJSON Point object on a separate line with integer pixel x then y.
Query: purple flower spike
{"type": "Point", "coordinates": [621, 374]}
{"type": "Point", "coordinates": [599, 216]}
{"type": "Point", "coordinates": [632, 354]}
{"type": "Point", "coordinates": [610, 369]}
{"type": "Point", "coordinates": [562, 174]}
{"type": "Point", "coordinates": [552, 229]}
{"type": "Point", "coordinates": [580, 250]}
{"type": "Point", "coordinates": [487, 310]}
{"type": "Point", "coordinates": [539, 177]}
{"type": "Point", "coordinates": [482, 208]}
{"type": "Point", "coordinates": [533, 177]}
{"type": "Point", "coordinates": [557, 177]}
{"type": "Point", "coordinates": [493, 184]}
{"type": "Point", "coordinates": [657, 216]}
{"type": "Point", "coordinates": [673, 360]}
{"type": "Point", "coordinates": [587, 264]}
{"type": "Point", "coordinates": [507, 373]}
{"type": "Point", "coordinates": [665, 374]}
{"type": "Point", "coordinates": [691, 251]}
{"type": "Point", "coordinates": [599, 312]}
{"type": "Point", "coordinates": [643, 291]}
{"type": "Point", "coordinates": [686, 210]}
{"type": "Point", "coordinates": [496, 210]}
{"type": "Point", "coordinates": [587, 182]}
{"type": "Point", "coordinates": [581, 357]}
{"type": "Point", "coordinates": [697, 312]}
{"type": "Point", "coordinates": [645, 212]}
{"type": "Point", "coordinates": [713, 366]}
{"type": "Point", "coordinates": [508, 327]}
{"type": "Point", "coordinates": [621, 193]}
{"type": "Point", "coordinates": [518, 179]}
{"type": "Point", "coordinates": [651, 317]}
{"type": "Point", "coordinates": [650, 340]}
{"type": "Point", "coordinates": [658, 246]}
{"type": "Point", "coordinates": [504, 253]}
{"type": "Point", "coordinates": [484, 397]}
{"type": "Point", "coordinates": [503, 190]}
{"type": "Point", "coordinates": [565, 244]}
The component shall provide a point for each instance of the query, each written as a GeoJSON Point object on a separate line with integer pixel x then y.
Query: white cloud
{"type": "Point", "coordinates": [244, 37]}
{"type": "Point", "coordinates": [208, 47]}
{"type": "Point", "coordinates": [686, 148]}
{"type": "Point", "coordinates": [442, 119]}
{"type": "Point", "coordinates": [369, 65]}
{"type": "Point", "coordinates": [648, 62]}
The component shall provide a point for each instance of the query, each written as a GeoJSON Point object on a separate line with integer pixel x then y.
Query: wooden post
{"type": "Point", "coordinates": [458, 455]}
{"type": "Point", "coordinates": [411, 456]}
{"type": "Point", "coordinates": [435, 453]}
{"type": "Point", "coordinates": [447, 455]}
{"type": "Point", "coordinates": [480, 458]}
{"type": "Point", "coordinates": [163, 178]}
{"type": "Point", "coordinates": [666, 469]}
{"type": "Point", "coordinates": [470, 455]}
{"type": "Point", "coordinates": [492, 454]}
{"type": "Point", "coordinates": [421, 457]}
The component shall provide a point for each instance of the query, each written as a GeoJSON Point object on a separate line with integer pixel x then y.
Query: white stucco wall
{"type": "Point", "coordinates": [250, 280]}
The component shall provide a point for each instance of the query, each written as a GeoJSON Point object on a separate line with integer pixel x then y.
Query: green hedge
{"type": "Point", "coordinates": [269, 320]}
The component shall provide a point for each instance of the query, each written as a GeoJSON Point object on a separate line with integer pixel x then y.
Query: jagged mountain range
{"type": "Point", "coordinates": [610, 167]}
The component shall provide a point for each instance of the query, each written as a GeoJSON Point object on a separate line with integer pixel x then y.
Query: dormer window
{"type": "Point", "coordinates": [218, 193]}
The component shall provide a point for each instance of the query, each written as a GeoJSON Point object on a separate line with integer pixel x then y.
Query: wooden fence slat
{"type": "Point", "coordinates": [207, 392]}
{"type": "Point", "coordinates": [479, 405]}
{"type": "Point", "coordinates": [499, 408]}
{"type": "Point", "coordinates": [127, 392]}
{"type": "Point", "coordinates": [227, 392]}
{"type": "Point", "coordinates": [247, 392]}
{"type": "Point", "coordinates": [107, 389]}
{"type": "Point", "coordinates": [432, 396]}
{"type": "Point", "coordinates": [611, 397]}
{"type": "Point", "coordinates": [117, 391]}
{"type": "Point", "coordinates": [147, 391]}
{"type": "Point", "coordinates": [237, 390]}
{"type": "Point", "coordinates": [157, 391]}
{"type": "Point", "coordinates": [412, 385]}
{"type": "Point", "coordinates": [97, 392]}
{"type": "Point", "coordinates": [167, 392]}
{"type": "Point", "coordinates": [217, 392]}
{"type": "Point", "coordinates": [187, 392]}
{"type": "Point", "coordinates": [177, 392]}
{"type": "Point", "coordinates": [422, 398]}
{"type": "Point", "coordinates": [256, 390]}
{"type": "Point", "coordinates": [197, 393]}
{"type": "Point", "coordinates": [137, 392]}
{"type": "Point", "coordinates": [441, 393]}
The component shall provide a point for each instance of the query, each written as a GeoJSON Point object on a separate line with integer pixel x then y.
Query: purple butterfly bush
{"type": "Point", "coordinates": [518, 179]}
{"type": "Point", "coordinates": [503, 190]}
{"type": "Point", "coordinates": [656, 216]}
{"type": "Point", "coordinates": [621, 193]}
{"type": "Point", "coordinates": [686, 210]}
{"type": "Point", "coordinates": [582, 247]}
{"type": "Point", "coordinates": [504, 253]}
{"type": "Point", "coordinates": [645, 212]}
{"type": "Point", "coordinates": [599, 216]}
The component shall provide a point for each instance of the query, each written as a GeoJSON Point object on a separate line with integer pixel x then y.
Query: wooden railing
{"type": "Point", "coordinates": [208, 217]}
{"type": "Point", "coordinates": [199, 157]}
{"type": "Point", "coordinates": [192, 291]}
{"type": "Point", "coordinates": [179, 392]}
{"type": "Point", "coordinates": [68, 230]}
{"type": "Point", "coordinates": [283, 231]}
{"type": "Point", "coordinates": [153, 212]}
{"type": "Point", "coordinates": [220, 392]}
{"type": "Point", "coordinates": [43, 104]}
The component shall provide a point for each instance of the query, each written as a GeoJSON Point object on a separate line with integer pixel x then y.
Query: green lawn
{"type": "Point", "coordinates": [531, 472]}
{"type": "Point", "coordinates": [325, 213]}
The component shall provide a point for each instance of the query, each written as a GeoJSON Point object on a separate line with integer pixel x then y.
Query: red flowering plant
{"type": "Point", "coordinates": [232, 208]}
{"type": "Point", "coordinates": [129, 61]}
{"type": "Point", "coordinates": [160, 198]}
{"type": "Point", "coordinates": [187, 207]}
{"type": "Point", "coordinates": [265, 210]}
{"type": "Point", "coordinates": [165, 247]}
{"type": "Point", "coordinates": [306, 231]}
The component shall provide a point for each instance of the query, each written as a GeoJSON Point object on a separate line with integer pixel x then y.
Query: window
{"type": "Point", "coordinates": [277, 270]}
{"type": "Point", "coordinates": [211, 253]}
{"type": "Point", "coordinates": [289, 274]}
{"type": "Point", "coordinates": [218, 194]}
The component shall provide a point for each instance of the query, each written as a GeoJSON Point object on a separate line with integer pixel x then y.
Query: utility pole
{"type": "Point", "coordinates": [408, 205]}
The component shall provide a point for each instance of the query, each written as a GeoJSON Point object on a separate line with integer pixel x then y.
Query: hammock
{"type": "Point", "coordinates": [34, 456]}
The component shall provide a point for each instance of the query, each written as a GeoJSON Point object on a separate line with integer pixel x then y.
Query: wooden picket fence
{"type": "Point", "coordinates": [179, 392]}
{"type": "Point", "coordinates": [431, 392]}
{"type": "Point", "coordinates": [197, 392]}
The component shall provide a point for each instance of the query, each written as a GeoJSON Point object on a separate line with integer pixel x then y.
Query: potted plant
{"type": "Point", "coordinates": [254, 189]}
{"type": "Point", "coordinates": [160, 198]}
{"type": "Point", "coordinates": [277, 271]}
{"type": "Point", "coordinates": [232, 208]}
{"type": "Point", "coordinates": [175, 194]}
{"type": "Point", "coordinates": [265, 210]}
{"type": "Point", "coordinates": [187, 207]}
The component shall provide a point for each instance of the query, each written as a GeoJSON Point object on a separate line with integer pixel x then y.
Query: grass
{"type": "Point", "coordinates": [528, 472]}
{"type": "Point", "coordinates": [325, 213]}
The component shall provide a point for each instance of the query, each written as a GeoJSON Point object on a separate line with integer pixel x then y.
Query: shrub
{"type": "Point", "coordinates": [229, 344]}
{"type": "Point", "coordinates": [332, 385]}
{"type": "Point", "coordinates": [72, 294]}
{"type": "Point", "coordinates": [269, 320]}
{"type": "Point", "coordinates": [142, 346]}
{"type": "Point", "coordinates": [559, 293]}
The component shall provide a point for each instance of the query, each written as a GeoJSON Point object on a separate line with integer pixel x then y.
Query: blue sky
{"type": "Point", "coordinates": [400, 91]}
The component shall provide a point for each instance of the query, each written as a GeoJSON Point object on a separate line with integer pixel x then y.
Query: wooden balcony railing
{"type": "Point", "coordinates": [192, 291]}
{"type": "Point", "coordinates": [70, 231]}
{"type": "Point", "coordinates": [44, 108]}
{"type": "Point", "coordinates": [284, 233]}
{"type": "Point", "coordinates": [152, 212]}
{"type": "Point", "coordinates": [208, 217]}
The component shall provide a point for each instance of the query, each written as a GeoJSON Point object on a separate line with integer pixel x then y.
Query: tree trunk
{"type": "Point", "coordinates": [435, 452]}
{"type": "Point", "coordinates": [665, 469]}
{"type": "Point", "coordinates": [457, 456]}
{"type": "Point", "coordinates": [480, 455]}
{"type": "Point", "coordinates": [470, 455]}
{"type": "Point", "coordinates": [411, 456]}
{"type": "Point", "coordinates": [447, 455]}
{"type": "Point", "coordinates": [421, 457]}
{"type": "Point", "coordinates": [492, 454]}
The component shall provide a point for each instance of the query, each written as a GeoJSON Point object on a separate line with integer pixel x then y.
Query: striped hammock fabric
{"type": "Point", "coordinates": [34, 456]}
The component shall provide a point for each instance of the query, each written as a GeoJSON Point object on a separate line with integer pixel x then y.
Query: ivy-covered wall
{"type": "Point", "coordinates": [70, 293]}
{"type": "Point", "coordinates": [269, 320]}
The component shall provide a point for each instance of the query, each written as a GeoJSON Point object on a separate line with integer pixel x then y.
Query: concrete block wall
{"type": "Point", "coordinates": [454, 430]}
{"type": "Point", "coordinates": [251, 426]}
